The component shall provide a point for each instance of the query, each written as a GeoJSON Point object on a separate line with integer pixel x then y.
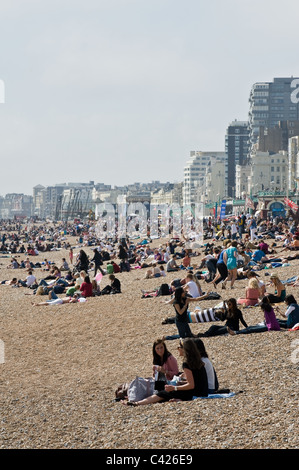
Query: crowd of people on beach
{"type": "Point", "coordinates": [232, 250]}
{"type": "Point", "coordinates": [243, 253]}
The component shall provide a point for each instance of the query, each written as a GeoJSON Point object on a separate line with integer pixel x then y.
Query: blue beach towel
{"type": "Point", "coordinates": [276, 265]}
{"type": "Point", "coordinates": [217, 395]}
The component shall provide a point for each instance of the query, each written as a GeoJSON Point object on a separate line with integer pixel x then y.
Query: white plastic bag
{"type": "Point", "coordinates": [140, 388]}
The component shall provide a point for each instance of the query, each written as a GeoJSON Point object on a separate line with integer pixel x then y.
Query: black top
{"type": "Point", "coordinates": [233, 323]}
{"type": "Point", "coordinates": [200, 386]}
{"type": "Point", "coordinates": [200, 381]}
{"type": "Point", "coordinates": [116, 285]}
{"type": "Point", "coordinates": [97, 258]}
{"type": "Point", "coordinates": [122, 254]}
{"type": "Point", "coordinates": [184, 316]}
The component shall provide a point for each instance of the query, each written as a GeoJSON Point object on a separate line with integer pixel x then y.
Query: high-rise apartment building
{"type": "Point", "coordinates": [272, 102]}
{"type": "Point", "coordinates": [236, 150]}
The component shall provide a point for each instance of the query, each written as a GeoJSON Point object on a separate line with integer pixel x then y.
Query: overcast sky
{"type": "Point", "coordinates": [120, 91]}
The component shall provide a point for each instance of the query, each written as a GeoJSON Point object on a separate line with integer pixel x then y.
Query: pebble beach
{"type": "Point", "coordinates": [63, 363]}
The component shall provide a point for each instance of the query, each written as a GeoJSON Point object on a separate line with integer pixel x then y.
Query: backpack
{"type": "Point", "coordinates": [213, 296]}
{"type": "Point", "coordinates": [163, 290]}
{"type": "Point", "coordinates": [124, 266]}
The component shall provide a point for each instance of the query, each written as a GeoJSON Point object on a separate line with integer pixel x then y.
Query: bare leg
{"type": "Point", "coordinates": [146, 401]}
{"type": "Point", "coordinates": [233, 277]}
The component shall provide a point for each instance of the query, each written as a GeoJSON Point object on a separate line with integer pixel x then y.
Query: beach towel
{"type": "Point", "coordinates": [217, 395]}
{"type": "Point", "coordinates": [290, 280]}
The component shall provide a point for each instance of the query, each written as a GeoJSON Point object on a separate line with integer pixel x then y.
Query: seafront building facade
{"type": "Point", "coordinates": [293, 163]}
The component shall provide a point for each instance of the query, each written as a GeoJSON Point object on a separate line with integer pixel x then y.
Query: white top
{"type": "Point", "coordinates": [234, 228]}
{"type": "Point", "coordinates": [289, 310]}
{"type": "Point", "coordinates": [210, 373]}
{"type": "Point", "coordinates": [30, 280]}
{"type": "Point", "coordinates": [193, 289]}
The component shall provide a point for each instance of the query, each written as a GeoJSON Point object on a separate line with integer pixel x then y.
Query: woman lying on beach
{"type": "Point", "coordinates": [233, 319]}
{"type": "Point", "coordinates": [11, 282]}
{"type": "Point", "coordinates": [59, 301]}
{"type": "Point", "coordinates": [196, 383]}
{"type": "Point", "coordinates": [199, 315]}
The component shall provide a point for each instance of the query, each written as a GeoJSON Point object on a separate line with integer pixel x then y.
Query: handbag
{"type": "Point", "coordinates": [140, 388]}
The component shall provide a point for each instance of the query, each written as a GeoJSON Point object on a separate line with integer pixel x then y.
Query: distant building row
{"type": "Point", "coordinates": [68, 201]}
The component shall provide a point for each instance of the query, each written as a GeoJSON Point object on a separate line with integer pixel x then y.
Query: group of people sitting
{"type": "Point", "coordinates": [198, 377]}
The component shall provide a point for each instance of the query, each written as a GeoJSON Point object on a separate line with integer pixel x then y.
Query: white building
{"type": "Point", "coordinates": [39, 200]}
{"type": "Point", "coordinates": [293, 157]}
{"type": "Point", "coordinates": [242, 180]}
{"type": "Point", "coordinates": [171, 195]}
{"type": "Point", "coordinates": [194, 174]}
{"type": "Point", "coordinates": [214, 187]}
{"type": "Point", "coordinates": [269, 171]}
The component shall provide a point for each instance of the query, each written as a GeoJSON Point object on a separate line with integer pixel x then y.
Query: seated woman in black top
{"type": "Point", "coordinates": [234, 317]}
{"type": "Point", "coordinates": [195, 379]}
